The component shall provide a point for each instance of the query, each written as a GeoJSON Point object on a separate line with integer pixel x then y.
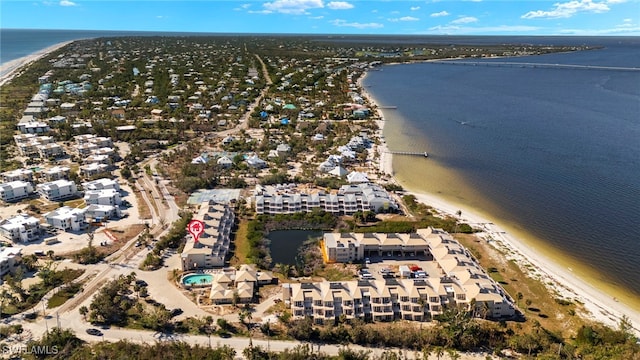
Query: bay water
{"type": "Point", "coordinates": [552, 154]}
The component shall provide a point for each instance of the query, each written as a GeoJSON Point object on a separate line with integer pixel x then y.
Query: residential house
{"type": "Point", "coordinates": [225, 162]}
{"type": "Point", "coordinates": [20, 228]}
{"type": "Point", "coordinates": [255, 162]}
{"type": "Point", "coordinates": [238, 285]}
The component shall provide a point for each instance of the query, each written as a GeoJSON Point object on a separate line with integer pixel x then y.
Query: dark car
{"type": "Point", "coordinates": [94, 332]}
{"type": "Point", "coordinates": [141, 282]}
{"type": "Point", "coordinates": [176, 312]}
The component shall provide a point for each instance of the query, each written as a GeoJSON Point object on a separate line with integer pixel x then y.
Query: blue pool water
{"type": "Point", "coordinates": [197, 279]}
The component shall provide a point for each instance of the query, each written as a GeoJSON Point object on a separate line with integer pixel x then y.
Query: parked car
{"type": "Point", "coordinates": [176, 312]}
{"type": "Point", "coordinates": [94, 332]}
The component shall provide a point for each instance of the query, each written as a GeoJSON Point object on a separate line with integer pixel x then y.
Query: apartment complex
{"type": "Point", "coordinates": [347, 247]}
{"type": "Point", "coordinates": [15, 190]}
{"type": "Point", "coordinates": [452, 278]}
{"type": "Point", "coordinates": [67, 219]}
{"type": "Point", "coordinates": [20, 228]}
{"type": "Point", "coordinates": [349, 199]}
{"type": "Point", "coordinates": [212, 247]}
{"type": "Point", "coordinates": [9, 259]}
{"type": "Point", "coordinates": [58, 190]}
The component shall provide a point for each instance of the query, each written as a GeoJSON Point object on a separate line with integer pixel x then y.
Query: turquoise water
{"type": "Point", "coordinates": [197, 279]}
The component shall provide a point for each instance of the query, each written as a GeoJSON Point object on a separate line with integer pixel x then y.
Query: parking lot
{"type": "Point", "coordinates": [381, 268]}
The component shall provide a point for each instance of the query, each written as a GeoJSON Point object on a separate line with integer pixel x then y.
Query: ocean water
{"type": "Point", "coordinates": [551, 153]}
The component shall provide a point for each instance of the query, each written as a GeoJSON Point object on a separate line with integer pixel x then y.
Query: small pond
{"type": "Point", "coordinates": [285, 243]}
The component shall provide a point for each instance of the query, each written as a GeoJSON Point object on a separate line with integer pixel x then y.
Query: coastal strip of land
{"type": "Point", "coordinates": [12, 68]}
{"type": "Point", "coordinates": [602, 307]}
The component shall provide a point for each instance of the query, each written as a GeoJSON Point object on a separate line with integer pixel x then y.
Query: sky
{"type": "Point", "coordinates": [426, 17]}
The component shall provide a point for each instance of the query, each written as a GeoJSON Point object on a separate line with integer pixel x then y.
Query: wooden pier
{"type": "Point", "coordinates": [424, 153]}
{"type": "Point", "coordinates": [388, 107]}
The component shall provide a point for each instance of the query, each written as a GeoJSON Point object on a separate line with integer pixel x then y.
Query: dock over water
{"type": "Point", "coordinates": [423, 153]}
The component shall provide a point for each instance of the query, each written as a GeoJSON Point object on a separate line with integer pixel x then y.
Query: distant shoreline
{"type": "Point", "coordinates": [12, 68]}
{"type": "Point", "coordinates": [603, 308]}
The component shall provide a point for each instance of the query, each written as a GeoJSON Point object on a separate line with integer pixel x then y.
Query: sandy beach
{"type": "Point", "coordinates": [601, 306]}
{"type": "Point", "coordinates": [11, 68]}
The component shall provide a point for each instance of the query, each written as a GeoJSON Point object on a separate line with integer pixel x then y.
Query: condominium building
{"type": "Point", "coordinates": [15, 190]}
{"type": "Point", "coordinates": [453, 278]}
{"type": "Point", "coordinates": [58, 190]}
{"type": "Point", "coordinates": [212, 247]}
{"type": "Point", "coordinates": [18, 175]}
{"type": "Point", "coordinates": [67, 219]}
{"type": "Point", "coordinates": [102, 197]}
{"type": "Point", "coordinates": [102, 212]}
{"type": "Point", "coordinates": [93, 169]}
{"type": "Point", "coordinates": [348, 200]}
{"type": "Point", "coordinates": [9, 260]}
{"type": "Point", "coordinates": [56, 173]}
{"type": "Point", "coordinates": [101, 184]}
{"type": "Point", "coordinates": [347, 247]}
{"type": "Point", "coordinates": [20, 228]}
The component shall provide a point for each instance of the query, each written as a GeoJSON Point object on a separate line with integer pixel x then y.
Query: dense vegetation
{"type": "Point", "coordinates": [15, 298]}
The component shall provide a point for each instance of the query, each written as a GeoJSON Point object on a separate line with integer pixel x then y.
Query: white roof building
{"type": "Point", "coordinates": [15, 190]}
{"type": "Point", "coordinates": [67, 218]}
{"type": "Point", "coordinates": [102, 197]}
{"type": "Point", "coordinates": [9, 259]}
{"type": "Point", "coordinates": [18, 175]}
{"type": "Point", "coordinates": [58, 190]}
{"type": "Point", "coordinates": [20, 228]}
{"type": "Point", "coordinates": [101, 184]}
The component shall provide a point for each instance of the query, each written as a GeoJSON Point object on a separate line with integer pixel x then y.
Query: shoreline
{"type": "Point", "coordinates": [10, 69]}
{"type": "Point", "coordinates": [601, 307]}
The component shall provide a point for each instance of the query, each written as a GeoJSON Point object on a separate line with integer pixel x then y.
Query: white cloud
{"type": "Point", "coordinates": [339, 5]}
{"type": "Point", "coordinates": [439, 14]}
{"type": "Point", "coordinates": [568, 9]}
{"type": "Point", "coordinates": [295, 7]}
{"type": "Point", "coordinates": [67, 3]}
{"type": "Point", "coordinates": [344, 23]}
{"type": "Point", "coordinates": [465, 20]}
{"type": "Point", "coordinates": [415, 8]}
{"type": "Point", "coordinates": [316, 17]}
{"type": "Point", "coordinates": [404, 18]}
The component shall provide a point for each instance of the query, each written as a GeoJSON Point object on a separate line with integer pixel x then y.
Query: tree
{"type": "Point", "coordinates": [519, 297]}
{"type": "Point", "coordinates": [84, 311]}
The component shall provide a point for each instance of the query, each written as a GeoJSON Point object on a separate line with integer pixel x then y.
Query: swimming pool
{"type": "Point", "coordinates": [197, 279]}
